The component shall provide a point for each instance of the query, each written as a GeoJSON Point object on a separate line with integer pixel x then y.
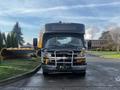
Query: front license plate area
{"type": "Point", "coordinates": [63, 67]}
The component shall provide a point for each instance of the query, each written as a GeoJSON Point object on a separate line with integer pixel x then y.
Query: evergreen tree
{"type": "Point", "coordinates": [8, 41]}
{"type": "Point", "coordinates": [14, 41]}
{"type": "Point", "coordinates": [4, 39]}
{"type": "Point", "coordinates": [18, 34]}
{"type": "Point", "coordinates": [1, 41]}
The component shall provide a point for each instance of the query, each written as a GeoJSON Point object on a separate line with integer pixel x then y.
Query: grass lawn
{"type": "Point", "coordinates": [10, 68]}
{"type": "Point", "coordinates": [106, 54]}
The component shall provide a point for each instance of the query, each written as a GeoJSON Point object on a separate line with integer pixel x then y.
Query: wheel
{"type": "Point", "coordinates": [45, 73]}
{"type": "Point", "coordinates": [83, 73]}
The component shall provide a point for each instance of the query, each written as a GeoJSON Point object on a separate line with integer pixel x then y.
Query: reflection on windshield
{"type": "Point", "coordinates": [64, 42]}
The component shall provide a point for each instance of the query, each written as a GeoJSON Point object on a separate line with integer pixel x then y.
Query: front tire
{"type": "Point", "coordinates": [45, 73]}
{"type": "Point", "coordinates": [83, 74]}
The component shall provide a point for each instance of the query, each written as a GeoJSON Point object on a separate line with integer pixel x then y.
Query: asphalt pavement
{"type": "Point", "coordinates": [102, 74]}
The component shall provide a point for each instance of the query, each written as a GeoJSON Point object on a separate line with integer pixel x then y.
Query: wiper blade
{"type": "Point", "coordinates": [75, 45]}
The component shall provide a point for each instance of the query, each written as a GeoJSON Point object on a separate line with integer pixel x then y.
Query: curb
{"type": "Point", "coordinates": [19, 77]}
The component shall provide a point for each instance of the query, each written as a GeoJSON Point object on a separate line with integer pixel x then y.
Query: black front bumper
{"type": "Point", "coordinates": [52, 68]}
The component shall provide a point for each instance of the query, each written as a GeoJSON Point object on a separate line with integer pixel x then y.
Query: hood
{"type": "Point", "coordinates": [67, 49]}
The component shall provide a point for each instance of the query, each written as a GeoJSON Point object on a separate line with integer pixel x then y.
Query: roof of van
{"type": "Point", "coordinates": [65, 28]}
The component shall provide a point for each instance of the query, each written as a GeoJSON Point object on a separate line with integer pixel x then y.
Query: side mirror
{"type": "Point", "coordinates": [39, 52]}
{"type": "Point", "coordinates": [35, 42]}
{"type": "Point", "coordinates": [44, 49]}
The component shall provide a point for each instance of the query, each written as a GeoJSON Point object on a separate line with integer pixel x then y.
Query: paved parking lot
{"type": "Point", "coordinates": [102, 74]}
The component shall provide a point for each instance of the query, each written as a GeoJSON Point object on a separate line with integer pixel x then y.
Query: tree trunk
{"type": "Point", "coordinates": [118, 48]}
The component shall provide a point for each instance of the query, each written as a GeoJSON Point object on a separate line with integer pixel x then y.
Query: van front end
{"type": "Point", "coordinates": [64, 61]}
{"type": "Point", "coordinates": [63, 48]}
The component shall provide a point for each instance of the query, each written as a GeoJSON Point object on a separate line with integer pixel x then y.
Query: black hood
{"type": "Point", "coordinates": [66, 49]}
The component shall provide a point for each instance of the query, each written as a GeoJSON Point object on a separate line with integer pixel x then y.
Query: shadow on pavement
{"type": "Point", "coordinates": [64, 75]}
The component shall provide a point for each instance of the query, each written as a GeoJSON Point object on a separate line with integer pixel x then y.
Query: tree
{"type": "Point", "coordinates": [1, 41]}
{"type": "Point", "coordinates": [8, 41]}
{"type": "Point", "coordinates": [109, 42]}
{"type": "Point", "coordinates": [105, 35]}
{"type": "Point", "coordinates": [14, 40]}
{"type": "Point", "coordinates": [91, 32]}
{"type": "Point", "coordinates": [18, 34]}
{"type": "Point", "coordinates": [112, 35]}
{"type": "Point", "coordinates": [115, 34]}
{"type": "Point", "coordinates": [11, 40]}
{"type": "Point", "coordinates": [4, 39]}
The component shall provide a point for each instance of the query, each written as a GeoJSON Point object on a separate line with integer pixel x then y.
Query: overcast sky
{"type": "Point", "coordinates": [33, 14]}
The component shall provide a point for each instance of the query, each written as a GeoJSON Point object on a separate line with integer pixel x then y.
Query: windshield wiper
{"type": "Point", "coordinates": [74, 45]}
{"type": "Point", "coordinates": [71, 45]}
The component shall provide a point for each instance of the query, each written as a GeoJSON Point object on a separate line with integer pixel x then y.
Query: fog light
{"type": "Point", "coordinates": [80, 61]}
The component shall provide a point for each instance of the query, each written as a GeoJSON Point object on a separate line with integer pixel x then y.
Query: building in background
{"type": "Point", "coordinates": [96, 44]}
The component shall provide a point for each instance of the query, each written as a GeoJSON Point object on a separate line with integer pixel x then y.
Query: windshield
{"type": "Point", "coordinates": [64, 42]}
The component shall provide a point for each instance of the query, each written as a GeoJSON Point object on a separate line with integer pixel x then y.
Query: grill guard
{"type": "Point", "coordinates": [68, 53]}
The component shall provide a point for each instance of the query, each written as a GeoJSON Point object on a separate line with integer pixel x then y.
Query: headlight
{"type": "Point", "coordinates": [47, 55]}
{"type": "Point", "coordinates": [82, 53]}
